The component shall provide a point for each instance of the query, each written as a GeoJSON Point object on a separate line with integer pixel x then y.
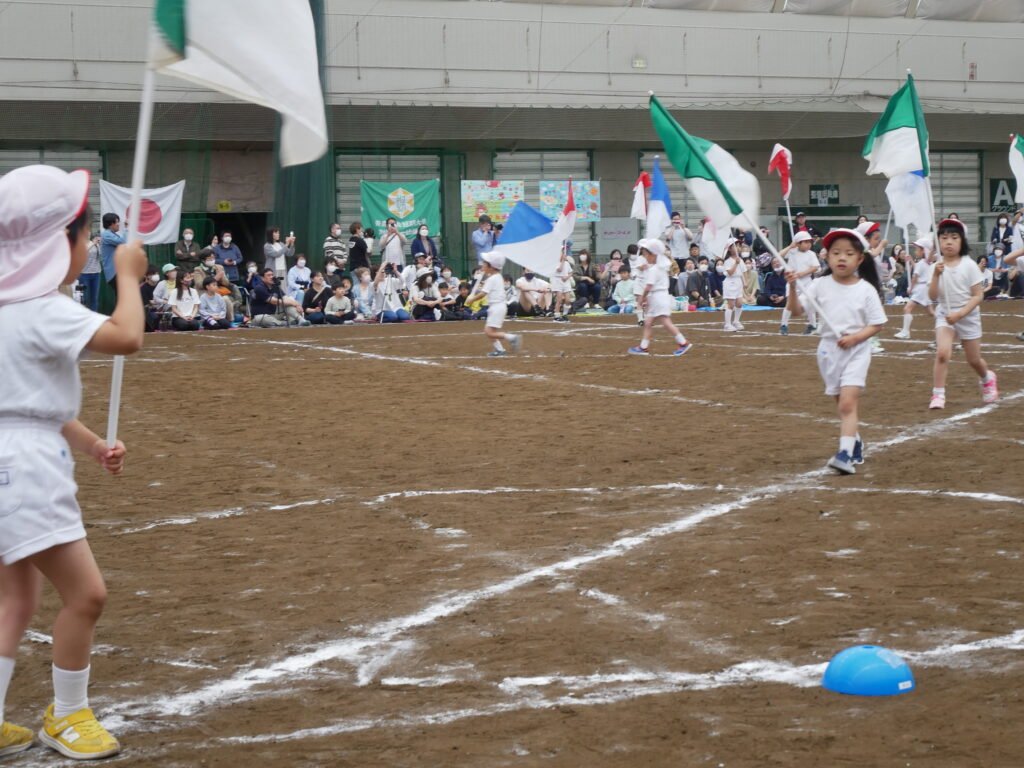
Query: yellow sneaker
{"type": "Point", "coordinates": [78, 736]}
{"type": "Point", "coordinates": [14, 739]}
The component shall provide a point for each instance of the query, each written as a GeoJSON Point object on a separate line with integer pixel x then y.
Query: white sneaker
{"type": "Point", "coordinates": [738, 326]}
{"type": "Point", "coordinates": [729, 328]}
{"type": "Point", "coordinates": [902, 335]}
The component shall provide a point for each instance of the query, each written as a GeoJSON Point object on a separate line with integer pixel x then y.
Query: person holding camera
{"type": "Point", "coordinates": [278, 253]}
{"type": "Point", "coordinates": [389, 302]}
{"type": "Point", "coordinates": [392, 244]}
{"type": "Point", "coordinates": [299, 278]}
{"type": "Point", "coordinates": [268, 298]}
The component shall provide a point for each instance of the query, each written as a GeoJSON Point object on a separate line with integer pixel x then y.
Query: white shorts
{"type": "Point", "coordinates": [843, 367]}
{"type": "Point", "coordinates": [659, 304]}
{"type": "Point", "coordinates": [38, 508]}
{"type": "Point", "coordinates": [496, 314]}
{"type": "Point", "coordinates": [920, 296]}
{"type": "Point", "coordinates": [967, 329]}
{"type": "Point", "coordinates": [732, 290]}
{"type": "Point", "coordinates": [558, 285]}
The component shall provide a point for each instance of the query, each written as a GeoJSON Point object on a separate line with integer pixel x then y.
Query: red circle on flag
{"type": "Point", "coordinates": [150, 218]}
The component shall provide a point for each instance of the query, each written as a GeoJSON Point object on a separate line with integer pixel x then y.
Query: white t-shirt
{"type": "Point", "coordinates": [188, 304]}
{"type": "Point", "coordinates": [40, 345]}
{"type": "Point", "coordinates": [735, 280]}
{"type": "Point", "coordinates": [849, 308]}
{"type": "Point", "coordinates": [388, 294]}
{"type": "Point", "coordinates": [638, 271]}
{"type": "Point", "coordinates": [494, 288]}
{"type": "Point", "coordinates": [532, 287]}
{"type": "Point", "coordinates": [801, 261]}
{"type": "Point", "coordinates": [394, 250]}
{"type": "Point", "coordinates": [922, 274]}
{"type": "Point", "coordinates": [657, 278]}
{"type": "Point", "coordinates": [957, 283]}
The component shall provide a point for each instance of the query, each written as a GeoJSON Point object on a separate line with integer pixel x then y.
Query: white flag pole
{"type": "Point", "coordinates": [938, 253]}
{"type": "Point", "coordinates": [789, 218]}
{"type": "Point", "coordinates": [888, 221]}
{"type": "Point", "coordinates": [771, 248]}
{"type": "Point", "coordinates": [138, 179]}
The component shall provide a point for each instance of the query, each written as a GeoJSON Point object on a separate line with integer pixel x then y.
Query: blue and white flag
{"type": "Point", "coordinates": [532, 240]}
{"type": "Point", "coordinates": [659, 207]}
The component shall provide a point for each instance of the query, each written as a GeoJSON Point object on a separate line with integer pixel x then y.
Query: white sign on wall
{"type": "Point", "coordinates": [617, 232]}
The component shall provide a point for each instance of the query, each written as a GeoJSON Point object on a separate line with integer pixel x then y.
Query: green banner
{"type": "Point", "coordinates": [410, 203]}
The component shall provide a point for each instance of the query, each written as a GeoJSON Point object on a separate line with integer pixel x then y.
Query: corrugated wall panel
{"type": "Point", "coordinates": [90, 161]}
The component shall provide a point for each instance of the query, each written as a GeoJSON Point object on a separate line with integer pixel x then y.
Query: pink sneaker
{"type": "Point", "coordinates": [938, 402]}
{"type": "Point", "coordinates": [989, 390]}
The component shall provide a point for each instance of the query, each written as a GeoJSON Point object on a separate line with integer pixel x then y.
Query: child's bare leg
{"type": "Point", "coordinates": [20, 587]}
{"type": "Point", "coordinates": [943, 351]}
{"type": "Point", "coordinates": [972, 353]}
{"type": "Point", "coordinates": [847, 406]}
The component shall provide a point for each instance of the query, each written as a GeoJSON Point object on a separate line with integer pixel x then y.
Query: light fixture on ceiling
{"type": "Point", "coordinates": [639, 62]}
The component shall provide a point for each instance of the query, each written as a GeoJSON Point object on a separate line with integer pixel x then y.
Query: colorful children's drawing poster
{"type": "Point", "coordinates": [586, 195]}
{"type": "Point", "coordinates": [495, 198]}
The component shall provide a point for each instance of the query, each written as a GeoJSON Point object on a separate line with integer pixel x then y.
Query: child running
{"type": "Point", "coordinates": [44, 243]}
{"type": "Point", "coordinates": [917, 295]}
{"type": "Point", "coordinates": [492, 287]}
{"type": "Point", "coordinates": [732, 286]}
{"type": "Point", "coordinates": [956, 288]}
{"type": "Point", "coordinates": [637, 270]}
{"type": "Point", "coordinates": [848, 296]}
{"type": "Point", "coordinates": [655, 301]}
{"type": "Point", "coordinates": [804, 264]}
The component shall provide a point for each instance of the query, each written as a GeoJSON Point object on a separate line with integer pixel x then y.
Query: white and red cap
{"type": "Point", "coordinates": [495, 259]}
{"type": "Point", "coordinates": [954, 223]}
{"type": "Point", "coordinates": [803, 237]}
{"type": "Point", "coordinates": [37, 202]}
{"type": "Point", "coordinates": [926, 244]}
{"type": "Point", "coordinates": [866, 228]}
{"type": "Point", "coordinates": [850, 234]}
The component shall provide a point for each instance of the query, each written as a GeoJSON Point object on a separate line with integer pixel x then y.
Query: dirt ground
{"type": "Point", "coordinates": [375, 546]}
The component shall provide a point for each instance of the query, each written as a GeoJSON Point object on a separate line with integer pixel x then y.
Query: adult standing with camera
{"type": "Point", "coordinates": [392, 244]}
{"type": "Point", "coordinates": [483, 238]}
{"type": "Point", "coordinates": [278, 253]}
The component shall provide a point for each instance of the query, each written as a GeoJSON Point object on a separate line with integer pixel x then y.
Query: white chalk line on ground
{"type": "Point", "coordinates": [380, 639]}
{"type": "Point", "coordinates": [610, 688]}
{"type": "Point", "coordinates": [970, 495]}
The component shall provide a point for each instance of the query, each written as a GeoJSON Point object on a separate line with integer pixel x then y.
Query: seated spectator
{"type": "Point", "coordinates": [774, 292]}
{"type": "Point", "coordinates": [206, 267]}
{"type": "Point", "coordinates": [184, 302]}
{"type": "Point", "coordinates": [332, 273]}
{"type": "Point", "coordinates": [750, 283]}
{"type": "Point", "coordinates": [425, 297]}
{"type": "Point", "coordinates": [338, 308]}
{"type": "Point", "coordinates": [314, 300]}
{"type": "Point", "coordinates": [533, 294]}
{"type": "Point", "coordinates": [164, 289]}
{"type": "Point", "coordinates": [448, 277]}
{"type": "Point", "coordinates": [276, 253]}
{"type": "Point", "coordinates": [147, 288]}
{"type": "Point", "coordinates": [446, 302]}
{"type": "Point", "coordinates": [298, 279]}
{"type": "Point", "coordinates": [1000, 272]}
{"type": "Point", "coordinates": [213, 311]}
{"type": "Point", "coordinates": [588, 285]}
{"type": "Point", "coordinates": [464, 312]}
{"type": "Point", "coordinates": [268, 298]}
{"type": "Point", "coordinates": [411, 272]}
{"type": "Point", "coordinates": [698, 291]}
{"type": "Point", "coordinates": [363, 295]}
{"type": "Point", "coordinates": [683, 279]}
{"type": "Point", "coordinates": [988, 288]}
{"type": "Point", "coordinates": [388, 302]}
{"type": "Point", "coordinates": [622, 294]}
{"type": "Point", "coordinates": [716, 279]}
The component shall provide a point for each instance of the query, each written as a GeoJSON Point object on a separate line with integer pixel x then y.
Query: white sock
{"type": "Point", "coordinates": [812, 317]}
{"type": "Point", "coordinates": [940, 391]}
{"type": "Point", "coordinates": [6, 673]}
{"type": "Point", "coordinates": [846, 444]}
{"type": "Point", "coordinates": [988, 376]}
{"type": "Point", "coordinates": [786, 314]}
{"type": "Point", "coordinates": [497, 346]}
{"type": "Point", "coordinates": [70, 691]}
{"type": "Point", "coordinates": [738, 313]}
{"type": "Point", "coordinates": [907, 320]}
{"type": "Point", "coordinates": [680, 339]}
{"type": "Point", "coordinates": [728, 316]}
{"type": "Point", "coordinates": [645, 343]}
{"type": "Point", "coordinates": [639, 315]}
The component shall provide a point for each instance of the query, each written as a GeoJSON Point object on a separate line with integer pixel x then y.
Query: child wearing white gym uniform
{"type": "Point", "coordinates": [732, 286]}
{"type": "Point", "coordinates": [920, 277]}
{"type": "Point", "coordinates": [655, 300]}
{"type": "Point", "coordinates": [44, 242]}
{"type": "Point", "coordinates": [492, 287]}
{"type": "Point", "coordinates": [561, 285]}
{"type": "Point", "coordinates": [956, 289]}
{"type": "Point", "coordinates": [638, 271]}
{"type": "Point", "coordinates": [802, 262]}
{"type": "Point", "coordinates": [848, 297]}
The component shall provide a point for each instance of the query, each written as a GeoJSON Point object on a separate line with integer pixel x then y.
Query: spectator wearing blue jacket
{"type": "Point", "coordinates": [483, 238]}
{"type": "Point", "coordinates": [228, 255]}
{"type": "Point", "coordinates": [109, 240]}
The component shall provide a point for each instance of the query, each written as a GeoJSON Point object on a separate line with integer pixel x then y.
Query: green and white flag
{"type": "Point", "coordinates": [260, 51]}
{"type": "Point", "coordinates": [725, 192]}
{"type": "Point", "coordinates": [1017, 165]}
{"type": "Point", "coordinates": [899, 141]}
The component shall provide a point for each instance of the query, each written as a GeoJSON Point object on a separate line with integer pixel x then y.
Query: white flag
{"type": "Point", "coordinates": [160, 217]}
{"type": "Point", "coordinates": [910, 202]}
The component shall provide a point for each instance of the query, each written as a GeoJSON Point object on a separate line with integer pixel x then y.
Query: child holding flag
{"type": "Point", "coordinates": [492, 287]}
{"type": "Point", "coordinates": [848, 297]}
{"type": "Point", "coordinates": [44, 242]}
{"type": "Point", "coordinates": [732, 286]}
{"type": "Point", "coordinates": [637, 270]}
{"type": "Point", "coordinates": [655, 300]}
{"type": "Point", "coordinates": [920, 277]}
{"type": "Point", "coordinates": [956, 288]}
{"type": "Point", "coordinates": [804, 264]}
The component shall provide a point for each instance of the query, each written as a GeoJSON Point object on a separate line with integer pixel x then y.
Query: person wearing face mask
{"type": "Point", "coordinates": [163, 289]}
{"type": "Point", "coordinates": [448, 277]}
{"type": "Point", "coordinates": [423, 243]}
{"type": "Point", "coordinates": [186, 252]}
{"type": "Point", "coordinates": [336, 249]}
{"type": "Point", "coordinates": [588, 286]}
{"type": "Point", "coordinates": [147, 288]}
{"type": "Point", "coordinates": [716, 276]}
{"type": "Point", "coordinates": [277, 253]}
{"type": "Point", "coordinates": [332, 273]}
{"type": "Point", "coordinates": [229, 256]}
{"type": "Point", "coordinates": [697, 287]}
{"type": "Point", "coordinates": [363, 295]}
{"type": "Point", "coordinates": [774, 292]}
{"type": "Point", "coordinates": [299, 278]}
{"type": "Point", "coordinates": [1002, 235]}
{"type": "Point", "coordinates": [392, 244]}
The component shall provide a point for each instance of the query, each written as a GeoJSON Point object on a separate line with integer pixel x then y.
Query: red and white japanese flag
{"type": "Point", "coordinates": [781, 161]}
{"type": "Point", "coordinates": [160, 216]}
{"type": "Point", "coordinates": [639, 210]}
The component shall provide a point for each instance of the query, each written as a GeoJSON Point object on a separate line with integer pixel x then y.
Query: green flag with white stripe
{"type": "Point", "coordinates": [899, 141]}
